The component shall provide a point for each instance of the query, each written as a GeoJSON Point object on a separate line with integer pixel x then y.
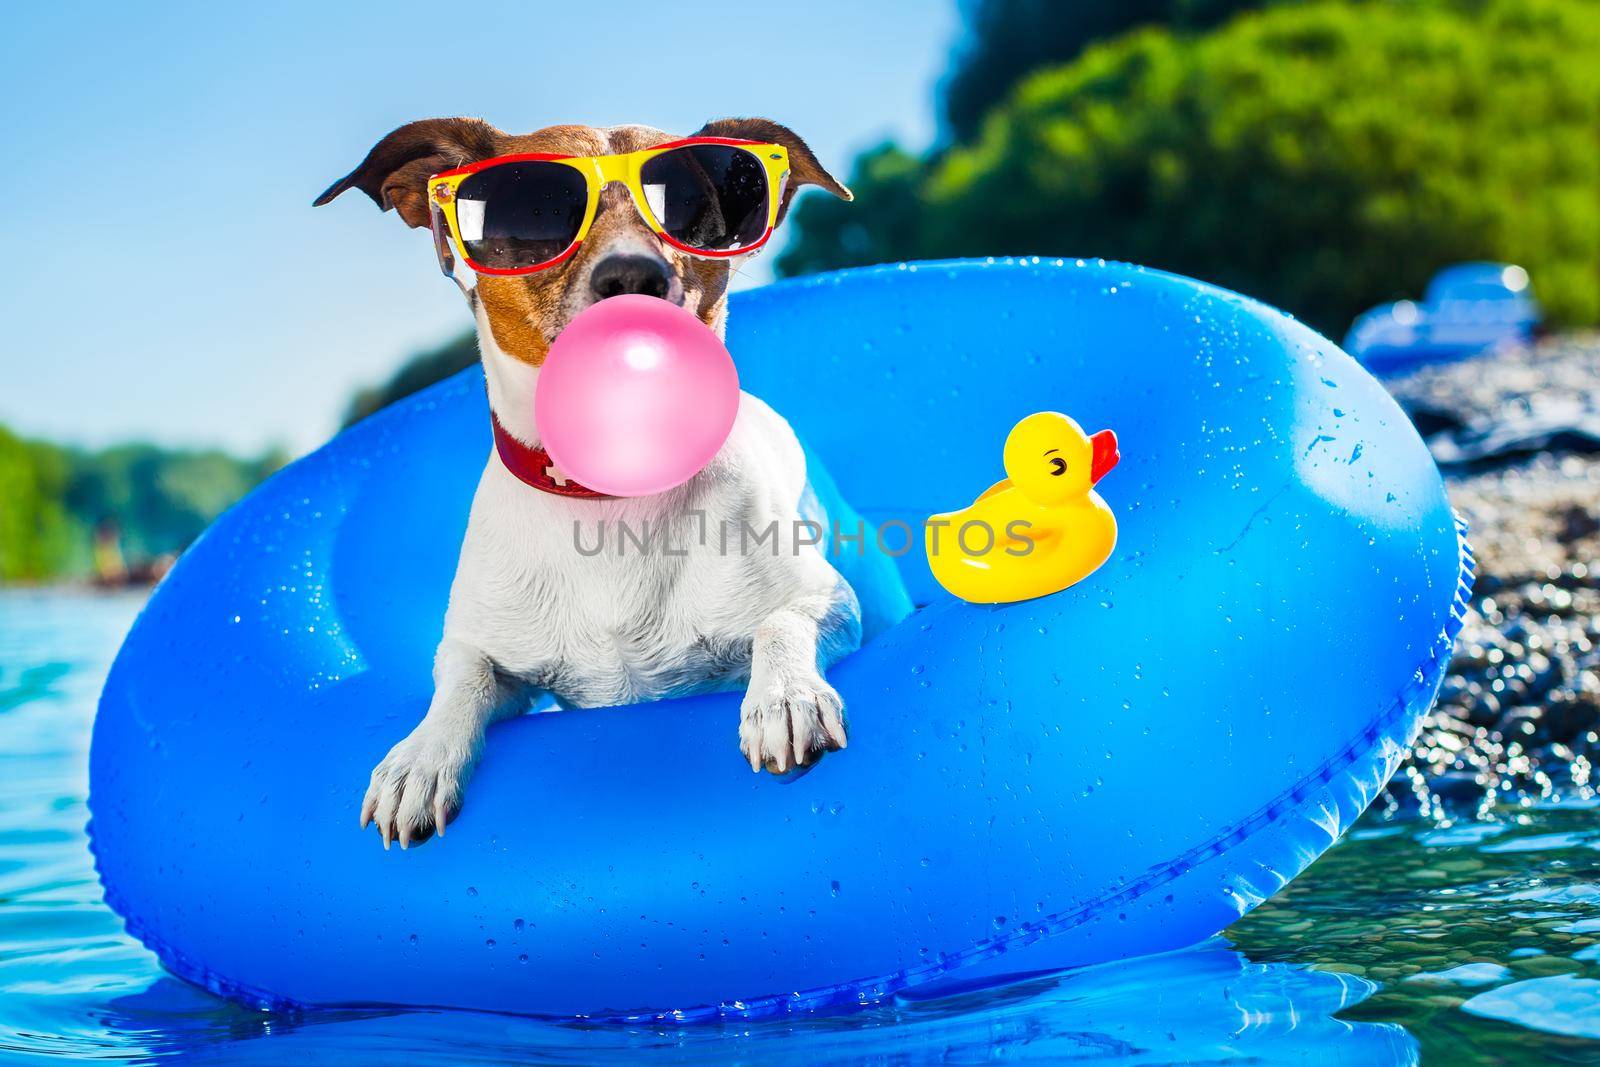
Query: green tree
{"type": "Point", "coordinates": [160, 499]}
{"type": "Point", "coordinates": [1006, 40]}
{"type": "Point", "coordinates": [1321, 157]}
{"type": "Point", "coordinates": [37, 537]}
{"type": "Point", "coordinates": [878, 225]}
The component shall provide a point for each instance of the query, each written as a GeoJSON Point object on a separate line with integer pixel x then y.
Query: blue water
{"type": "Point", "coordinates": [1467, 943]}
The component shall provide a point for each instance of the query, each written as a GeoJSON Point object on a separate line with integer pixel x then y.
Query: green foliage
{"type": "Point", "coordinates": [1321, 157]}
{"type": "Point", "coordinates": [883, 219]}
{"type": "Point", "coordinates": [160, 499]}
{"type": "Point", "coordinates": [52, 499]}
{"type": "Point", "coordinates": [417, 373]}
{"type": "Point", "coordinates": [1008, 39]}
{"type": "Point", "coordinates": [36, 534]}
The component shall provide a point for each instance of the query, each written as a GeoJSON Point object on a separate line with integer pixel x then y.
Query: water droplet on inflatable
{"type": "Point", "coordinates": [472, 891]}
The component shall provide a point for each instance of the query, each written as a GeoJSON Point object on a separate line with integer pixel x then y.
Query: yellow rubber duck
{"type": "Point", "coordinates": [1040, 530]}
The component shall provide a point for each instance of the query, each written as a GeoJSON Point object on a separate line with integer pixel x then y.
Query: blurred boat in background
{"type": "Point", "coordinates": [1468, 308]}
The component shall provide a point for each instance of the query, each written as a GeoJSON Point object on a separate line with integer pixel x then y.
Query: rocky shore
{"type": "Point", "coordinates": [1517, 434]}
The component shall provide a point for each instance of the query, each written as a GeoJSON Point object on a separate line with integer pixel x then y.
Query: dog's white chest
{"type": "Point", "coordinates": [632, 626]}
{"type": "Point", "coordinates": [614, 602]}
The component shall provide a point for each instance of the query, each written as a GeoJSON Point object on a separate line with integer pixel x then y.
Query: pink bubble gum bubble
{"type": "Point", "coordinates": [635, 396]}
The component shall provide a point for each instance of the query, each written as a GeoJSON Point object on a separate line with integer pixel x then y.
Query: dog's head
{"type": "Point", "coordinates": [620, 254]}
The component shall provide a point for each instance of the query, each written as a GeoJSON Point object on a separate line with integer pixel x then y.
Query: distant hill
{"type": "Point", "coordinates": [64, 510]}
{"type": "Point", "coordinates": [147, 501]}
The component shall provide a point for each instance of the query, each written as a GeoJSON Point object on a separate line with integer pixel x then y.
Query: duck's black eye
{"type": "Point", "coordinates": [1058, 466]}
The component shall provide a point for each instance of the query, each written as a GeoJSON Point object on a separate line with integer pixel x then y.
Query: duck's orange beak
{"type": "Point", "coordinates": [1104, 456]}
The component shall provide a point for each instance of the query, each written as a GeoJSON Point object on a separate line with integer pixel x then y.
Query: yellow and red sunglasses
{"type": "Point", "coordinates": [708, 196]}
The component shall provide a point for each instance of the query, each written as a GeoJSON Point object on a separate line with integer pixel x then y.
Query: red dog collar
{"type": "Point", "coordinates": [533, 466]}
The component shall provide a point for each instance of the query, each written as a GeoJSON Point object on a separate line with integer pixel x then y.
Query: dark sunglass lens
{"type": "Point", "coordinates": [519, 214]}
{"type": "Point", "coordinates": [711, 197]}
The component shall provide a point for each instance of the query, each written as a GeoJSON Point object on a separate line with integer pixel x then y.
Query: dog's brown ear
{"type": "Point", "coordinates": [803, 166]}
{"type": "Point", "coordinates": [396, 172]}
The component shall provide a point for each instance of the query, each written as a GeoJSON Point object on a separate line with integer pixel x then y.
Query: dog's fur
{"type": "Point", "coordinates": [531, 615]}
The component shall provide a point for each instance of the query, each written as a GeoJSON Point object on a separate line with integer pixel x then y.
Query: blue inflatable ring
{"type": "Point", "coordinates": [1121, 768]}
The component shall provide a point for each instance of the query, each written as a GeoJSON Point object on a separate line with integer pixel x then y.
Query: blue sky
{"type": "Point", "coordinates": [168, 278]}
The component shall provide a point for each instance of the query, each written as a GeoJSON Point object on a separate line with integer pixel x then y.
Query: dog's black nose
{"type": "Point", "coordinates": [616, 275]}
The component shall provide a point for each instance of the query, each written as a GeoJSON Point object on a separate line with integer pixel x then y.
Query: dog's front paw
{"type": "Point", "coordinates": [417, 788]}
{"type": "Point", "coordinates": [789, 726]}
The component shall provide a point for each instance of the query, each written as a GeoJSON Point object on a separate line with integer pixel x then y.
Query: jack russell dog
{"type": "Point", "coordinates": [547, 224]}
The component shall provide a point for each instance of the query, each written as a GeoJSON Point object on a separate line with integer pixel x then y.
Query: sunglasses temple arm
{"type": "Point", "coordinates": [449, 264]}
